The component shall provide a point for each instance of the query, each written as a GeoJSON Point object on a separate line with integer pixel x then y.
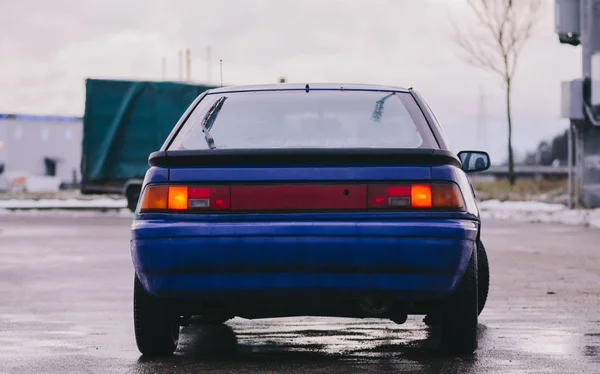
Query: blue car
{"type": "Point", "coordinates": [296, 199]}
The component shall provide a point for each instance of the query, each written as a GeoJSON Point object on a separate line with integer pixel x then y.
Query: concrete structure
{"type": "Point", "coordinates": [28, 143]}
{"type": "Point", "coordinates": [578, 23]}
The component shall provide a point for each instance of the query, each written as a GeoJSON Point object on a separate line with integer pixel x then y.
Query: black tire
{"type": "Point", "coordinates": [156, 326]}
{"type": "Point", "coordinates": [483, 286]}
{"type": "Point", "coordinates": [459, 320]}
{"type": "Point", "coordinates": [132, 199]}
{"type": "Point", "coordinates": [483, 274]}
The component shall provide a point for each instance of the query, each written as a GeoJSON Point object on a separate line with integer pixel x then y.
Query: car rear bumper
{"type": "Point", "coordinates": [409, 259]}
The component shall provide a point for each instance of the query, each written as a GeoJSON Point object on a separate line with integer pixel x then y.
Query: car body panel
{"type": "Point", "coordinates": [311, 86]}
{"type": "Point", "coordinates": [156, 175]}
{"type": "Point", "coordinates": [201, 257]}
{"type": "Point", "coordinates": [301, 173]}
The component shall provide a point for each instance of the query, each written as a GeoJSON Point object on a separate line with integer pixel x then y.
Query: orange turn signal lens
{"type": "Point", "coordinates": [447, 195]}
{"type": "Point", "coordinates": [420, 196]}
{"type": "Point", "coordinates": [178, 198]}
{"type": "Point", "coordinates": [155, 198]}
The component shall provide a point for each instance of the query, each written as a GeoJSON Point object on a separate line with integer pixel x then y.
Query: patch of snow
{"type": "Point", "coordinates": [534, 211]}
{"type": "Point", "coordinates": [68, 213]}
{"type": "Point", "coordinates": [42, 184]}
{"type": "Point", "coordinates": [64, 204]}
{"type": "Point", "coordinates": [520, 206]}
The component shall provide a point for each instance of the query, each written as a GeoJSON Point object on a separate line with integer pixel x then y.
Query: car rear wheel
{"type": "Point", "coordinates": [156, 325]}
{"type": "Point", "coordinates": [483, 276]}
{"type": "Point", "coordinates": [483, 285]}
{"type": "Point", "coordinates": [459, 320]}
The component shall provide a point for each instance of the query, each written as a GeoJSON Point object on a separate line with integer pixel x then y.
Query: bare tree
{"type": "Point", "coordinates": [506, 26]}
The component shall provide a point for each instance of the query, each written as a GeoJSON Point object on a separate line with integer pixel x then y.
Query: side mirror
{"type": "Point", "coordinates": [473, 161]}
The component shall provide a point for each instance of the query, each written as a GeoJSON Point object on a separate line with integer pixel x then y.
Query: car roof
{"type": "Point", "coordinates": [302, 86]}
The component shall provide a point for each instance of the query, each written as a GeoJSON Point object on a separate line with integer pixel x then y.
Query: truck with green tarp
{"type": "Point", "coordinates": [123, 122]}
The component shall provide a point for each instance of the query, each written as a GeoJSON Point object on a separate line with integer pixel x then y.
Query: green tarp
{"type": "Point", "coordinates": [124, 121]}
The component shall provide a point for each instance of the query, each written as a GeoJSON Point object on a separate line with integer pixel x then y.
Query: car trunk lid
{"type": "Point", "coordinates": [302, 180]}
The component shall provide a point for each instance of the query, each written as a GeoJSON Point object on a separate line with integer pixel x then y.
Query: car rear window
{"type": "Point", "coordinates": [299, 119]}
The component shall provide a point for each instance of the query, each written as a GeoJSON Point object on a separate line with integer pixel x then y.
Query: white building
{"type": "Point", "coordinates": [30, 144]}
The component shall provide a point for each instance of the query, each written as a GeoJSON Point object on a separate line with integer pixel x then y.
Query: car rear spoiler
{"type": "Point", "coordinates": [344, 156]}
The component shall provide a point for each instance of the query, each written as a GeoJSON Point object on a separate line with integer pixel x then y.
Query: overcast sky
{"type": "Point", "coordinates": [48, 48]}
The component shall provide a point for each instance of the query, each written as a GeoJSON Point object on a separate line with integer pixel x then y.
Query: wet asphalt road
{"type": "Point", "coordinates": [65, 307]}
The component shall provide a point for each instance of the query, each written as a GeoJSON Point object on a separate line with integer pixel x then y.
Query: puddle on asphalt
{"type": "Point", "coordinates": [329, 335]}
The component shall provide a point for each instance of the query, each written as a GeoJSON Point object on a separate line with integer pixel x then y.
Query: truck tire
{"type": "Point", "coordinates": [483, 273]}
{"type": "Point", "coordinates": [156, 326]}
{"type": "Point", "coordinates": [459, 319]}
{"type": "Point", "coordinates": [132, 195]}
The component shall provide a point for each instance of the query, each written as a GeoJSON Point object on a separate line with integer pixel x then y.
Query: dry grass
{"type": "Point", "coordinates": [524, 189]}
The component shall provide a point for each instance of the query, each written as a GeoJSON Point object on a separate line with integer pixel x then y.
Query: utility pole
{"type": "Point", "coordinates": [208, 65]}
{"type": "Point", "coordinates": [180, 65]}
{"type": "Point", "coordinates": [578, 23]}
{"type": "Point", "coordinates": [188, 65]}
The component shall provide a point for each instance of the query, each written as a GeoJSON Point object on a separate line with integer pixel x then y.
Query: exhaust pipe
{"type": "Point", "coordinates": [399, 318]}
{"type": "Point", "coordinates": [375, 306]}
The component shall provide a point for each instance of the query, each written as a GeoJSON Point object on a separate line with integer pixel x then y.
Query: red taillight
{"type": "Point", "coordinates": [184, 198]}
{"type": "Point", "coordinates": [215, 197]}
{"type": "Point", "coordinates": [415, 196]}
{"type": "Point", "coordinates": [301, 197]}
{"type": "Point", "coordinates": [386, 196]}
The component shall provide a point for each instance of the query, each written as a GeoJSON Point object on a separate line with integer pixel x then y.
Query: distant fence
{"type": "Point", "coordinates": [528, 171]}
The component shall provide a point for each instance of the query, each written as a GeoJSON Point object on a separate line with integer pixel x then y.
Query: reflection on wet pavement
{"type": "Point", "coordinates": [372, 345]}
{"type": "Point", "coordinates": [65, 307]}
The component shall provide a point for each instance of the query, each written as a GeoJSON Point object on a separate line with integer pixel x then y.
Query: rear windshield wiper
{"type": "Point", "coordinates": [209, 120]}
{"type": "Point", "coordinates": [378, 110]}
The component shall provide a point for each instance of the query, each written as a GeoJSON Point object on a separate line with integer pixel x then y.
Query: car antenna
{"type": "Point", "coordinates": [221, 64]}
{"type": "Point", "coordinates": [307, 88]}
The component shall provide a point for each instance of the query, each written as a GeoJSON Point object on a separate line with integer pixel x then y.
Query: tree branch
{"type": "Point", "coordinates": [508, 25]}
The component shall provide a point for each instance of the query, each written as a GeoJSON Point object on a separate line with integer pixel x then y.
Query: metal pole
{"type": "Point", "coordinates": [570, 163]}
{"type": "Point", "coordinates": [188, 65]}
{"type": "Point", "coordinates": [579, 166]}
{"type": "Point", "coordinates": [179, 65]}
{"type": "Point", "coordinates": [586, 12]}
{"type": "Point", "coordinates": [208, 66]}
